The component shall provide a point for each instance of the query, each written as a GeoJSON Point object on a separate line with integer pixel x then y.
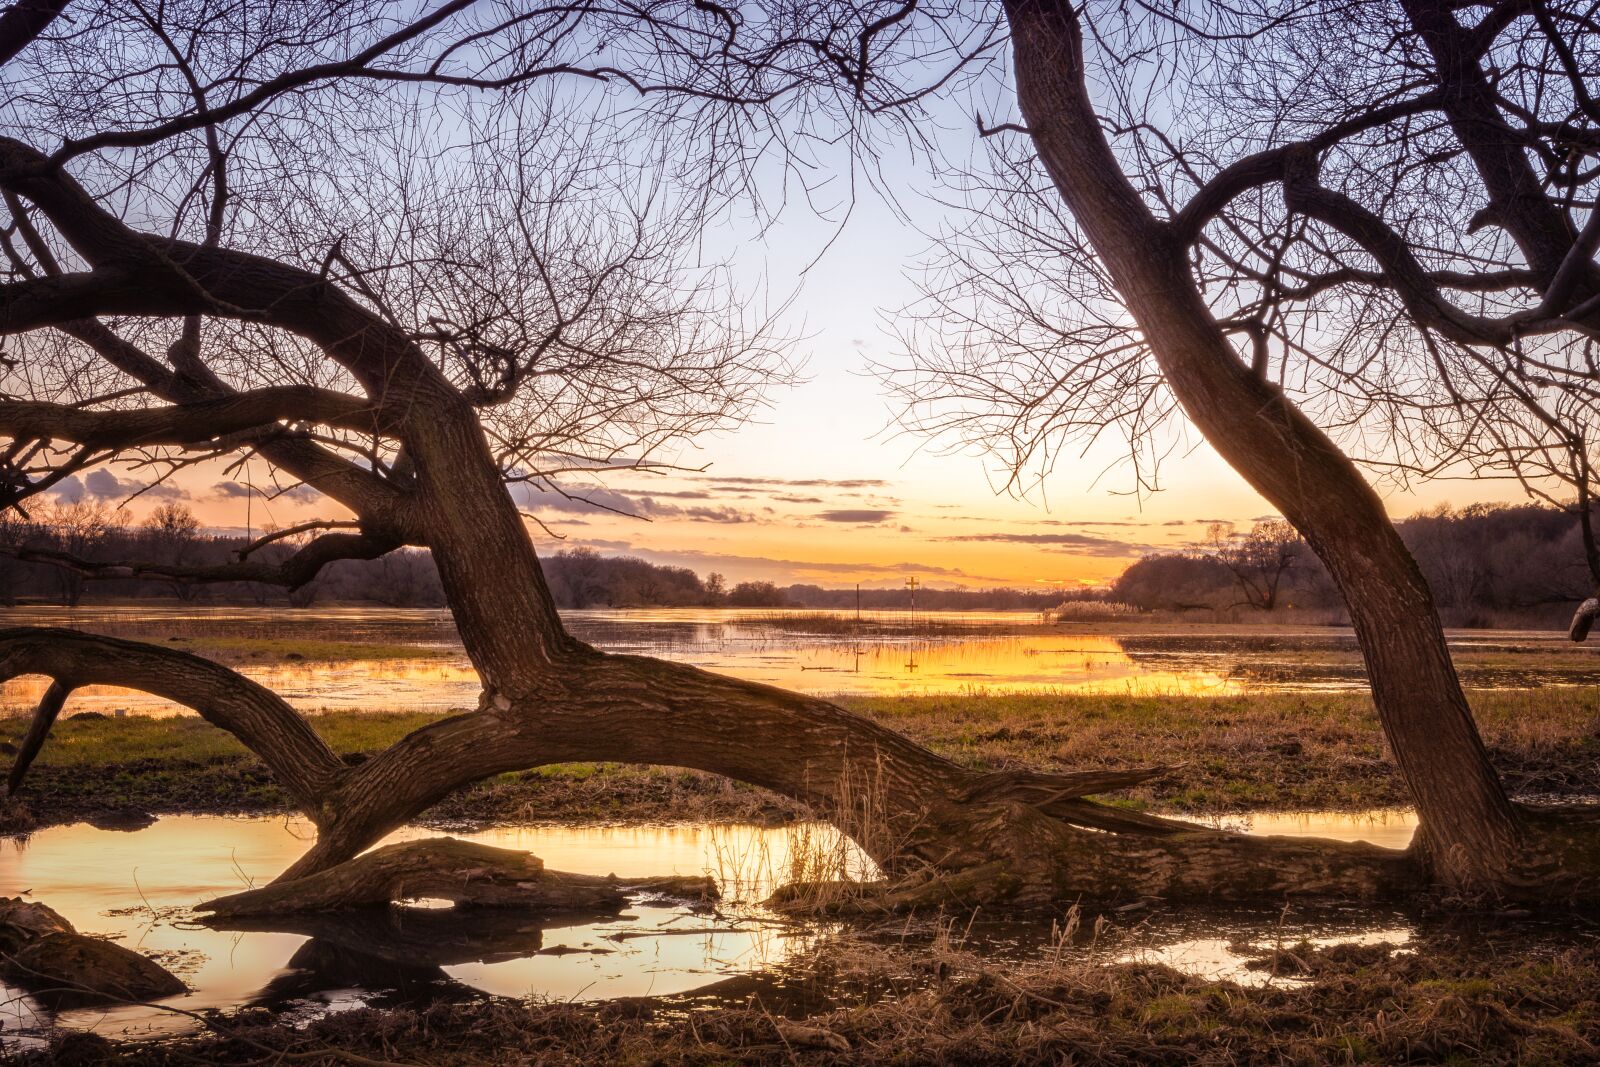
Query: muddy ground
{"type": "Point", "coordinates": [1480, 995]}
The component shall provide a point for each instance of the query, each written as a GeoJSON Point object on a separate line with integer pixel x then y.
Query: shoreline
{"type": "Point", "coordinates": [889, 994]}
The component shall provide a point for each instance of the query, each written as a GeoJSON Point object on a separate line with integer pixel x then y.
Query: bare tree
{"type": "Point", "coordinates": [1258, 558]}
{"type": "Point", "coordinates": [1307, 224]}
{"type": "Point", "coordinates": [283, 252]}
{"type": "Point", "coordinates": [171, 534]}
{"type": "Point", "coordinates": [276, 253]}
{"type": "Point", "coordinates": [77, 529]}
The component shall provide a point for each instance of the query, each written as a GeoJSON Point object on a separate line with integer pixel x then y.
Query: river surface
{"type": "Point", "coordinates": [411, 659]}
{"type": "Point", "coordinates": [141, 888]}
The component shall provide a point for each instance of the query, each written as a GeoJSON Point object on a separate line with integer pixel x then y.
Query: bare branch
{"type": "Point", "coordinates": [183, 424]}
{"type": "Point", "coordinates": [259, 718]}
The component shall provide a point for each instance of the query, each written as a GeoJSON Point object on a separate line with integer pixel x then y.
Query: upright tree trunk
{"type": "Point", "coordinates": [1469, 827]}
{"type": "Point", "coordinates": [1591, 549]}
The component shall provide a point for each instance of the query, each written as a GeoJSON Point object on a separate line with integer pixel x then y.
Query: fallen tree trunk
{"type": "Point", "coordinates": [444, 868]}
{"type": "Point", "coordinates": [42, 952]}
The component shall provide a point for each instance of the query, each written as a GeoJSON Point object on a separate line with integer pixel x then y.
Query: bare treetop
{"type": "Point", "coordinates": [1388, 207]}
{"type": "Point", "coordinates": [489, 183]}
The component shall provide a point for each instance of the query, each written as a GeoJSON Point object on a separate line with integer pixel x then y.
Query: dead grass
{"type": "Point", "coordinates": [1249, 752]}
{"type": "Point", "coordinates": [862, 1000]}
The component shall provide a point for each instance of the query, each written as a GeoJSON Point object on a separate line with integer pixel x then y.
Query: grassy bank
{"type": "Point", "coordinates": [860, 1000]}
{"type": "Point", "coordinates": [1231, 754]}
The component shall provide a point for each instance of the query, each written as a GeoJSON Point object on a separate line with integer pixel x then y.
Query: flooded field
{"type": "Point", "coordinates": [363, 658]}
{"type": "Point", "coordinates": [141, 888]}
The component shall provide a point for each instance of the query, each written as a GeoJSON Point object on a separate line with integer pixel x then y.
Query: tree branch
{"type": "Point", "coordinates": [258, 717]}
{"type": "Point", "coordinates": [1305, 195]}
{"type": "Point", "coordinates": [1269, 166]}
{"type": "Point", "coordinates": [292, 573]}
{"type": "Point", "coordinates": [184, 424]}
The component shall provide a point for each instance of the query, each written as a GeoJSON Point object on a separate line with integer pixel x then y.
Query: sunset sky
{"type": "Point", "coordinates": [822, 489]}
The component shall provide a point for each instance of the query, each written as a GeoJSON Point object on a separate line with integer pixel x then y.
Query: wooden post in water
{"type": "Point", "coordinates": [855, 635]}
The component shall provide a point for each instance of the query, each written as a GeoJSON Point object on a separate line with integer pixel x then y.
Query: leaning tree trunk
{"type": "Point", "coordinates": [1469, 828]}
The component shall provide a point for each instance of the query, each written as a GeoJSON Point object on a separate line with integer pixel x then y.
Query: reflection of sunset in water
{"type": "Point", "coordinates": [1073, 663]}
{"type": "Point", "coordinates": [819, 652]}
{"type": "Point", "coordinates": [957, 652]}
{"type": "Point", "coordinates": [140, 886]}
{"type": "Point", "coordinates": [1065, 664]}
{"type": "Point", "coordinates": [345, 686]}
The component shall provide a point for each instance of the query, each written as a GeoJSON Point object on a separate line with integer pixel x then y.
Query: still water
{"type": "Point", "coordinates": [141, 888]}
{"type": "Point", "coordinates": [351, 656]}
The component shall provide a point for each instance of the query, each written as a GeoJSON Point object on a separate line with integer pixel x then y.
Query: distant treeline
{"type": "Point", "coordinates": [95, 533]}
{"type": "Point", "coordinates": [582, 578]}
{"type": "Point", "coordinates": [1482, 561]}
{"type": "Point", "coordinates": [578, 577]}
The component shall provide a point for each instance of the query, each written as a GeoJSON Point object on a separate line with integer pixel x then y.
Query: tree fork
{"type": "Point", "coordinates": [550, 698]}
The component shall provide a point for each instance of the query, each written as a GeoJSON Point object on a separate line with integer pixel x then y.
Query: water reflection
{"type": "Point", "coordinates": [1387, 828]}
{"type": "Point", "coordinates": [1230, 950]}
{"type": "Point", "coordinates": [808, 651]}
{"type": "Point", "coordinates": [140, 888]}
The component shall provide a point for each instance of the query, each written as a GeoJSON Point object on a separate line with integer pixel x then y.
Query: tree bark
{"type": "Point", "coordinates": [1470, 830]}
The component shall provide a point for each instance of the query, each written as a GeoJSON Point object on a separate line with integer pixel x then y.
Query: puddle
{"type": "Point", "coordinates": [1388, 828]}
{"type": "Point", "coordinates": [140, 887]}
{"type": "Point", "coordinates": [1218, 958]}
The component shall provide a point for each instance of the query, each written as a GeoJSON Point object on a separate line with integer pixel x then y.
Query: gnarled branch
{"type": "Point", "coordinates": [291, 573]}
{"type": "Point", "coordinates": [263, 721]}
{"type": "Point", "coordinates": [186, 423]}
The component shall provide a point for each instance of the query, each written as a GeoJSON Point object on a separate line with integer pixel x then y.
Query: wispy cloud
{"type": "Point", "coordinates": [860, 516]}
{"type": "Point", "coordinates": [300, 494]}
{"type": "Point", "coordinates": [1078, 544]}
{"type": "Point", "coordinates": [596, 499]}
{"type": "Point", "coordinates": [800, 483]}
